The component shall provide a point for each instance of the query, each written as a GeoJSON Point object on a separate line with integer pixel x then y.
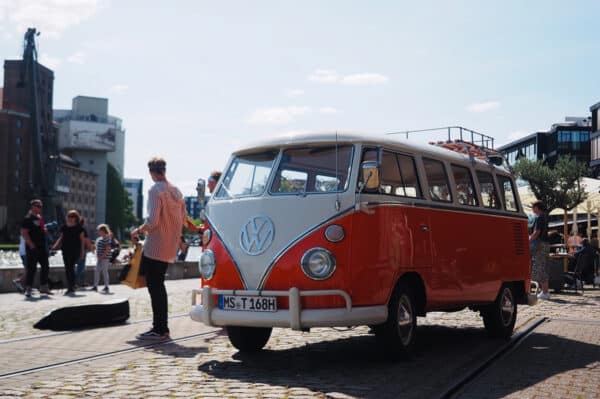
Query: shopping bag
{"type": "Point", "coordinates": [134, 279]}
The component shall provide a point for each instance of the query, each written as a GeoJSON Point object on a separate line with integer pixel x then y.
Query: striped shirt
{"type": "Point", "coordinates": [166, 215]}
{"type": "Point", "coordinates": [103, 247]}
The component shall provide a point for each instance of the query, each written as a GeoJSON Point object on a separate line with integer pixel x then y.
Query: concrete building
{"type": "Point", "coordinates": [93, 138]}
{"type": "Point", "coordinates": [135, 189]}
{"type": "Point", "coordinates": [571, 137]}
{"type": "Point", "coordinates": [28, 146]}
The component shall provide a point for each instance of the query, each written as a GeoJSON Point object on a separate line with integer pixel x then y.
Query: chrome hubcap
{"type": "Point", "coordinates": [507, 308]}
{"type": "Point", "coordinates": [405, 320]}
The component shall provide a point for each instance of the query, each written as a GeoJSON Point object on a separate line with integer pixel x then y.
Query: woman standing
{"type": "Point", "coordinates": [71, 241]}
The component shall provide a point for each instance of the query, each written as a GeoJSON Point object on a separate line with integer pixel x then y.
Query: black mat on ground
{"type": "Point", "coordinates": [83, 316]}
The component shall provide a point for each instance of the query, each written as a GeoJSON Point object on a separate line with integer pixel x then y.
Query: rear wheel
{"type": "Point", "coordinates": [499, 317]}
{"type": "Point", "coordinates": [248, 339]}
{"type": "Point", "coordinates": [397, 334]}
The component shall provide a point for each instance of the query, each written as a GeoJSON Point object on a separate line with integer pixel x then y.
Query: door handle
{"type": "Point", "coordinates": [424, 227]}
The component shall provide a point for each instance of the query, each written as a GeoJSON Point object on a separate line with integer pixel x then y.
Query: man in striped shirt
{"type": "Point", "coordinates": [166, 218]}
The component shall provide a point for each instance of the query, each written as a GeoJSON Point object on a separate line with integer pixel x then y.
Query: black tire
{"type": "Point", "coordinates": [248, 339]}
{"type": "Point", "coordinates": [499, 317]}
{"type": "Point", "coordinates": [397, 335]}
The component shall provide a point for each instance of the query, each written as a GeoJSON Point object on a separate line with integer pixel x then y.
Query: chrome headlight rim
{"type": "Point", "coordinates": [304, 263]}
{"type": "Point", "coordinates": [207, 264]}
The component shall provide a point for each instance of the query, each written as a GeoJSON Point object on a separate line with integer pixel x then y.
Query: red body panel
{"type": "Point", "coordinates": [462, 257]}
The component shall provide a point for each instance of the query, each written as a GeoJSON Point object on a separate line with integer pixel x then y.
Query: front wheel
{"type": "Point", "coordinates": [397, 334]}
{"type": "Point", "coordinates": [248, 339]}
{"type": "Point", "coordinates": [499, 317]}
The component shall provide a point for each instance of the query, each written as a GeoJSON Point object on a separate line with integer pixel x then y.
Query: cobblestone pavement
{"type": "Point", "coordinates": [561, 360]}
{"type": "Point", "coordinates": [18, 314]}
{"type": "Point", "coordinates": [322, 363]}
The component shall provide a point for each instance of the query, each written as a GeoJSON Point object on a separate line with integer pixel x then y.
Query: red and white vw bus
{"type": "Point", "coordinates": [331, 230]}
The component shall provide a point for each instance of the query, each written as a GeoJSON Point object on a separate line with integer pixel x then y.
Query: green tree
{"type": "Point", "coordinates": [119, 208]}
{"type": "Point", "coordinates": [558, 187]}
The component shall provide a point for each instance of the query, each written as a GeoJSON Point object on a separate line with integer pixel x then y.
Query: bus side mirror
{"type": "Point", "coordinates": [370, 175]}
{"type": "Point", "coordinates": [201, 190]}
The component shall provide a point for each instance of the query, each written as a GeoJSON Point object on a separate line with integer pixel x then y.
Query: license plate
{"type": "Point", "coordinates": [248, 303]}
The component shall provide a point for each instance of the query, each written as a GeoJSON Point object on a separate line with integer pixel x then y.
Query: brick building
{"type": "Point", "coordinates": [76, 189]}
{"type": "Point", "coordinates": [27, 167]}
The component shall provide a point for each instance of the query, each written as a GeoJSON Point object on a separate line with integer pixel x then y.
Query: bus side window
{"type": "Point", "coordinates": [489, 197]}
{"type": "Point", "coordinates": [508, 193]}
{"type": "Point", "coordinates": [465, 189]}
{"type": "Point", "coordinates": [410, 181]}
{"type": "Point", "coordinates": [399, 175]}
{"type": "Point", "coordinates": [439, 189]}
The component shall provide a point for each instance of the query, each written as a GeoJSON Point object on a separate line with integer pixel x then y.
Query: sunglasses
{"type": "Point", "coordinates": [37, 205]}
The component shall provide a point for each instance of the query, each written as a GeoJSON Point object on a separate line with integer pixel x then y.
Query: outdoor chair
{"type": "Point", "coordinates": [575, 279]}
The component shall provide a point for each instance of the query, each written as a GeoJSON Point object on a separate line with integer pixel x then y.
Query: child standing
{"type": "Point", "coordinates": [103, 255]}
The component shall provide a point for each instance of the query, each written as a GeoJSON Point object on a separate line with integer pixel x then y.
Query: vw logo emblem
{"type": "Point", "coordinates": [257, 235]}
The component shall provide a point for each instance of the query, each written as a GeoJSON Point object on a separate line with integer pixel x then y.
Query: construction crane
{"type": "Point", "coordinates": [44, 151]}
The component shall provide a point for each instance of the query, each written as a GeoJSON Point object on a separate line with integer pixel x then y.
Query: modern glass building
{"type": "Point", "coordinates": [595, 140]}
{"type": "Point", "coordinates": [571, 137]}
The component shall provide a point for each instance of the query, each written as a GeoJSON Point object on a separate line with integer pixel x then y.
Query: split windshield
{"type": "Point", "coordinates": [305, 170]}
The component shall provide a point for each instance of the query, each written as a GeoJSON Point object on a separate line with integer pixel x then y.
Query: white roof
{"type": "Point", "coordinates": [343, 137]}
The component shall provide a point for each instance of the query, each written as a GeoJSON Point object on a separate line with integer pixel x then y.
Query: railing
{"type": "Point", "coordinates": [454, 133]}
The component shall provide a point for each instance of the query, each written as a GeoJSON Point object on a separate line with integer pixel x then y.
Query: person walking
{"type": "Point", "coordinates": [538, 242]}
{"type": "Point", "coordinates": [36, 251]}
{"type": "Point", "coordinates": [103, 256]}
{"type": "Point", "coordinates": [166, 217]}
{"type": "Point", "coordinates": [72, 243]}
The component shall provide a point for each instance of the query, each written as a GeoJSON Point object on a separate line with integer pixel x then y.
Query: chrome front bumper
{"type": "Point", "coordinates": [295, 317]}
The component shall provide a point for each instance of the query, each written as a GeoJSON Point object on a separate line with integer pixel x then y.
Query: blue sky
{"type": "Point", "coordinates": [194, 81]}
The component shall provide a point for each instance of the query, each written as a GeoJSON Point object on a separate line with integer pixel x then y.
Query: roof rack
{"type": "Point", "coordinates": [465, 141]}
{"type": "Point", "coordinates": [474, 151]}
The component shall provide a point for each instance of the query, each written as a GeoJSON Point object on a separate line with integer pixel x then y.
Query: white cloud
{"type": "Point", "coordinates": [361, 79]}
{"type": "Point", "coordinates": [328, 110]}
{"type": "Point", "coordinates": [276, 115]}
{"type": "Point", "coordinates": [118, 88]}
{"type": "Point", "coordinates": [357, 79]}
{"type": "Point", "coordinates": [49, 61]}
{"type": "Point", "coordinates": [483, 107]}
{"type": "Point", "coordinates": [51, 17]}
{"type": "Point", "coordinates": [294, 92]}
{"type": "Point", "coordinates": [324, 76]}
{"type": "Point", "coordinates": [76, 58]}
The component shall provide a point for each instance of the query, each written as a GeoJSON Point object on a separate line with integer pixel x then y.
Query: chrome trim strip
{"type": "Point", "coordinates": [263, 279]}
{"type": "Point", "coordinates": [449, 208]}
{"type": "Point", "coordinates": [220, 237]}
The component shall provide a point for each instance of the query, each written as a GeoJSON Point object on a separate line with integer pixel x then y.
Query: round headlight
{"type": "Point", "coordinates": [207, 264]}
{"type": "Point", "coordinates": [206, 236]}
{"type": "Point", "coordinates": [318, 263]}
